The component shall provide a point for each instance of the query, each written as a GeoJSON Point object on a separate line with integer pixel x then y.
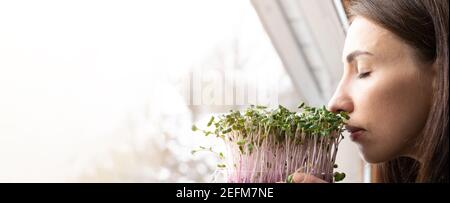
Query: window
{"type": "Point", "coordinates": [107, 91]}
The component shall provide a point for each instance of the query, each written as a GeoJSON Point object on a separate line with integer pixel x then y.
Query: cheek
{"type": "Point", "coordinates": [394, 107]}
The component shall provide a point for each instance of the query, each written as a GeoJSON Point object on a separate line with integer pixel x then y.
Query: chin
{"type": "Point", "coordinates": [372, 158]}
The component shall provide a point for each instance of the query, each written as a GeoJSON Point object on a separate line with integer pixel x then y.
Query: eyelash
{"type": "Point", "coordinates": [363, 75]}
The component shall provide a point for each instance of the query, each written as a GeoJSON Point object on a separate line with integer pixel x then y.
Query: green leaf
{"type": "Point", "coordinates": [338, 176]}
{"type": "Point", "coordinates": [290, 178]}
{"type": "Point", "coordinates": [344, 115]}
{"type": "Point", "coordinates": [250, 147]}
{"type": "Point", "coordinates": [194, 128]}
{"type": "Point", "coordinates": [226, 131]}
{"type": "Point", "coordinates": [221, 165]}
{"type": "Point", "coordinates": [241, 142]}
{"type": "Point", "coordinates": [301, 105]}
{"type": "Point", "coordinates": [210, 121]}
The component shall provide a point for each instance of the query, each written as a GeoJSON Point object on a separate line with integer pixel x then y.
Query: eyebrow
{"type": "Point", "coordinates": [355, 54]}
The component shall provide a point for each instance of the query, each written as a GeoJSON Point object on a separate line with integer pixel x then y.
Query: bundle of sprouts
{"type": "Point", "coordinates": [264, 146]}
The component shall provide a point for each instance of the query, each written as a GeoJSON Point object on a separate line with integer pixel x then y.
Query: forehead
{"type": "Point", "coordinates": [364, 35]}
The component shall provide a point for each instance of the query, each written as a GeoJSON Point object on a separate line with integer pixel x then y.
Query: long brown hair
{"type": "Point", "coordinates": [423, 24]}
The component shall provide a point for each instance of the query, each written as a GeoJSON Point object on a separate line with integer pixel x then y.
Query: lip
{"type": "Point", "coordinates": [355, 132]}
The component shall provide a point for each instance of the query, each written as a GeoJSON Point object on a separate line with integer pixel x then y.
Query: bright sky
{"type": "Point", "coordinates": [72, 70]}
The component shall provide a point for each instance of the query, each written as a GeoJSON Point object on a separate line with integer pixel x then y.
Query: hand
{"type": "Point", "coordinates": [306, 178]}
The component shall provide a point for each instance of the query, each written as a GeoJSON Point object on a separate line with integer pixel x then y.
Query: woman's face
{"type": "Point", "coordinates": [385, 89]}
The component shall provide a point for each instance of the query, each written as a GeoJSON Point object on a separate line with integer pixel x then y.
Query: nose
{"type": "Point", "coordinates": [341, 100]}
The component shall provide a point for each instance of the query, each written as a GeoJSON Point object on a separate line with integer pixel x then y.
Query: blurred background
{"type": "Point", "coordinates": [107, 90]}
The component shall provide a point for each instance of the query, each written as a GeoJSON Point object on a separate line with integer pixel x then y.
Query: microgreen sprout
{"type": "Point", "coordinates": [267, 145]}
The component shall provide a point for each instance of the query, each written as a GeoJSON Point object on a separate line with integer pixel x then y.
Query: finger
{"type": "Point", "coordinates": [306, 178]}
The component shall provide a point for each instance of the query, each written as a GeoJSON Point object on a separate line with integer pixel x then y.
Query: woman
{"type": "Point", "coordinates": [395, 88]}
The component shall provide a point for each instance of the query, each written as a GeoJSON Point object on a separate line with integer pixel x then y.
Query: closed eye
{"type": "Point", "coordinates": [364, 75]}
